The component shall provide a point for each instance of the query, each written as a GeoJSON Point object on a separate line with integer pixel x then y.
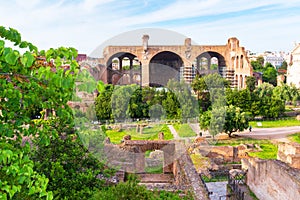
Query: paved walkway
{"type": "Point", "coordinates": [196, 128]}
{"type": "Point", "coordinates": [174, 132]}
{"type": "Point", "coordinates": [218, 190]}
{"type": "Point", "coordinates": [278, 134]}
{"type": "Point", "coordinates": [270, 133]}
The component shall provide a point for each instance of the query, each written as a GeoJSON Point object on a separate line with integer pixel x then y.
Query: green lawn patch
{"type": "Point", "coordinates": [238, 141]}
{"type": "Point", "coordinates": [295, 137]}
{"type": "Point", "coordinates": [154, 170]}
{"type": "Point", "coordinates": [184, 130]}
{"type": "Point", "coordinates": [276, 123]}
{"type": "Point", "coordinates": [214, 179]}
{"type": "Point", "coordinates": [269, 151]}
{"type": "Point", "coordinates": [149, 133]}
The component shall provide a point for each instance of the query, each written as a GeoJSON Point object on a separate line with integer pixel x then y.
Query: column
{"type": "Point", "coordinates": [145, 77]}
{"type": "Point", "coordinates": [131, 72]}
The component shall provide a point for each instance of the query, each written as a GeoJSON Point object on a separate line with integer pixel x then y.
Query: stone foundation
{"type": "Point", "coordinates": [290, 154]}
{"type": "Point", "coordinates": [272, 179]}
{"type": "Point", "coordinates": [186, 174]}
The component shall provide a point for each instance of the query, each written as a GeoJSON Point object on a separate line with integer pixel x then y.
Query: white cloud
{"type": "Point", "coordinates": [85, 24]}
{"type": "Point", "coordinates": [27, 4]}
{"type": "Point", "coordinates": [92, 4]}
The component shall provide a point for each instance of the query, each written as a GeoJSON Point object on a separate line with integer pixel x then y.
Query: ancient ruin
{"type": "Point", "coordinates": [179, 172]}
{"type": "Point", "coordinates": [154, 65]}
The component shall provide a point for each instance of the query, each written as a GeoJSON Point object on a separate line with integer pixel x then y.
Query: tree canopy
{"type": "Point", "coordinates": [38, 156]}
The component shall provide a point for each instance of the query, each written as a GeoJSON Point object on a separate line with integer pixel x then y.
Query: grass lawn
{"type": "Point", "coordinates": [184, 130]}
{"type": "Point", "coordinates": [295, 137]}
{"type": "Point", "coordinates": [154, 170]}
{"type": "Point", "coordinates": [269, 150]}
{"type": "Point", "coordinates": [238, 141]}
{"type": "Point", "coordinates": [277, 123]}
{"type": "Point", "coordinates": [149, 133]}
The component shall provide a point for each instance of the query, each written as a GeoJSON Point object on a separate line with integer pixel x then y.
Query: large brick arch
{"type": "Point", "coordinates": [117, 75]}
{"type": "Point", "coordinates": [163, 66]}
{"type": "Point", "coordinates": [207, 68]}
{"type": "Point", "coordinates": [235, 60]}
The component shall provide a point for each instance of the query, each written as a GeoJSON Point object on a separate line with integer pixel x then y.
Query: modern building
{"type": "Point", "coordinates": [275, 58]}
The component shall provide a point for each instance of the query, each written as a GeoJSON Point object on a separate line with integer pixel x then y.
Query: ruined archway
{"type": "Point", "coordinates": [164, 66]}
{"type": "Point", "coordinates": [210, 62]}
{"type": "Point", "coordinates": [123, 68]}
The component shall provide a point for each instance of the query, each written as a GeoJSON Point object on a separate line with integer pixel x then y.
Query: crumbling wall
{"type": "Point", "coordinates": [290, 154]}
{"type": "Point", "coordinates": [272, 179]}
{"type": "Point", "coordinates": [186, 174]}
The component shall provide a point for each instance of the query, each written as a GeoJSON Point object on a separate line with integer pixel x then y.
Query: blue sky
{"type": "Point", "coordinates": [85, 24]}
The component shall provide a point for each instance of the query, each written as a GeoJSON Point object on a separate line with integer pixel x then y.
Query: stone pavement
{"type": "Point", "coordinates": [218, 189]}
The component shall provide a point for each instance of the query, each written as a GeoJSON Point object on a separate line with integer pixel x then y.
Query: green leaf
{"type": "Point", "coordinates": [12, 57]}
{"type": "Point", "coordinates": [3, 196]}
{"type": "Point", "coordinates": [58, 62]}
{"type": "Point", "coordinates": [32, 47]}
{"type": "Point", "coordinates": [2, 43]}
{"type": "Point", "coordinates": [23, 44]}
{"type": "Point", "coordinates": [27, 59]}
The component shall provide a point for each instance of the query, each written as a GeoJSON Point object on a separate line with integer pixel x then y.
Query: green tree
{"type": "Point", "coordinates": [120, 100]}
{"type": "Point", "coordinates": [270, 74]}
{"type": "Point", "coordinates": [200, 88]}
{"type": "Point", "coordinates": [103, 105]}
{"type": "Point", "coordinates": [157, 112]}
{"type": "Point", "coordinates": [260, 60]}
{"type": "Point", "coordinates": [91, 113]}
{"type": "Point", "coordinates": [270, 105]}
{"type": "Point", "coordinates": [131, 190]}
{"type": "Point", "coordinates": [287, 93]}
{"type": "Point", "coordinates": [87, 82]}
{"type": "Point", "coordinates": [250, 82]}
{"type": "Point", "coordinates": [210, 89]}
{"type": "Point", "coordinates": [71, 170]}
{"type": "Point", "coordinates": [257, 67]}
{"type": "Point", "coordinates": [188, 103]}
{"type": "Point", "coordinates": [171, 106]}
{"type": "Point", "coordinates": [31, 80]}
{"type": "Point", "coordinates": [283, 65]}
{"type": "Point", "coordinates": [235, 120]}
{"type": "Point", "coordinates": [138, 107]}
{"type": "Point", "coordinates": [239, 98]}
{"type": "Point", "coordinates": [227, 119]}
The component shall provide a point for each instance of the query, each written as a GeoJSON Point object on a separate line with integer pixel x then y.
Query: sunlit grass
{"type": "Point", "coordinates": [276, 123]}
{"type": "Point", "coordinates": [149, 133]}
{"type": "Point", "coordinates": [184, 130]}
{"type": "Point", "coordinates": [238, 141]}
{"type": "Point", "coordinates": [269, 151]}
{"type": "Point", "coordinates": [295, 137]}
{"type": "Point", "coordinates": [154, 170]}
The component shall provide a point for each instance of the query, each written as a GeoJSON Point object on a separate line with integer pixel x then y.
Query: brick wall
{"type": "Point", "coordinates": [272, 179]}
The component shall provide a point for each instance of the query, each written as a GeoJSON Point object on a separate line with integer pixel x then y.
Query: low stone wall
{"type": "Point", "coordinates": [272, 179]}
{"type": "Point", "coordinates": [225, 154]}
{"type": "Point", "coordinates": [290, 154]}
{"type": "Point", "coordinates": [186, 174]}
